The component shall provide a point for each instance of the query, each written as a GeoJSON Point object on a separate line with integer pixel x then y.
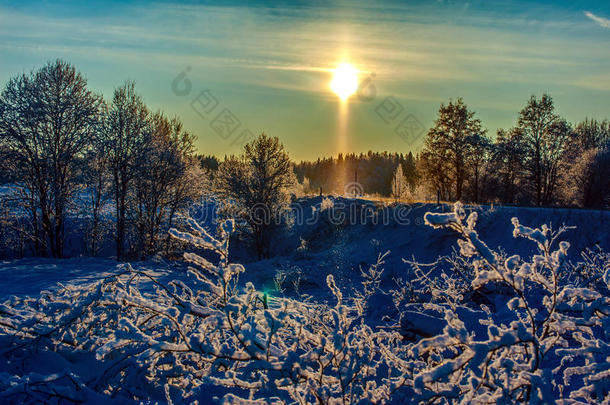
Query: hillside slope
{"type": "Point", "coordinates": [340, 235]}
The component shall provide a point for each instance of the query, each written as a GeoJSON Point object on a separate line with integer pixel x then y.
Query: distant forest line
{"type": "Point", "coordinates": [541, 161]}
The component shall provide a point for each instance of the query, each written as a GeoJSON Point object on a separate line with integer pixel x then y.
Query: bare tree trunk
{"type": "Point", "coordinates": [120, 223]}
{"type": "Point", "coordinates": [537, 174]}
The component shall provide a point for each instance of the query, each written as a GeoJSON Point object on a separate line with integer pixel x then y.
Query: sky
{"type": "Point", "coordinates": [233, 69]}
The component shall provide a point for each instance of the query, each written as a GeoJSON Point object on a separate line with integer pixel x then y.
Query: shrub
{"type": "Point", "coordinates": [154, 340]}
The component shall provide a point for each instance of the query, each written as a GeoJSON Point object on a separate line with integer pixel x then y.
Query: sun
{"type": "Point", "coordinates": [345, 81]}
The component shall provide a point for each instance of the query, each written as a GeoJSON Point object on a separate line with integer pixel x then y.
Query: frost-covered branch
{"type": "Point", "coordinates": [542, 319]}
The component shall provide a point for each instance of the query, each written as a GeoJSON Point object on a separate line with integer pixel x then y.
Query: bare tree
{"type": "Point", "coordinates": [478, 164]}
{"type": "Point", "coordinates": [449, 146]}
{"type": "Point", "coordinates": [434, 169]}
{"type": "Point", "coordinates": [97, 181]}
{"type": "Point", "coordinates": [507, 158]}
{"type": "Point", "coordinates": [259, 182]}
{"type": "Point", "coordinates": [125, 135]}
{"type": "Point", "coordinates": [48, 120]}
{"type": "Point", "coordinates": [591, 133]}
{"type": "Point", "coordinates": [544, 136]}
{"type": "Point", "coordinates": [162, 184]}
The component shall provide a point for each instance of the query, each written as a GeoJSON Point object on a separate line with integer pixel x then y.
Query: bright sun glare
{"type": "Point", "coordinates": [345, 81]}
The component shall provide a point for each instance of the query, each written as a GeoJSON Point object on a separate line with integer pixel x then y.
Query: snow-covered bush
{"type": "Point", "coordinates": [424, 283]}
{"type": "Point", "coordinates": [326, 204]}
{"type": "Point", "coordinates": [179, 338]}
{"type": "Point", "coordinates": [288, 278]}
{"type": "Point", "coordinates": [207, 335]}
{"type": "Point", "coordinates": [590, 271]}
{"type": "Point", "coordinates": [549, 341]}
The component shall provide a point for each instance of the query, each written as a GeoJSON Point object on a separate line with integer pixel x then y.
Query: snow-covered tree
{"type": "Point", "coordinates": [400, 185]}
{"type": "Point", "coordinates": [586, 181]}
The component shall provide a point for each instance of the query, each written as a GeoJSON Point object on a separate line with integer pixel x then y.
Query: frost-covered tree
{"type": "Point", "coordinates": [125, 134]}
{"type": "Point", "coordinates": [586, 165]}
{"type": "Point", "coordinates": [449, 146]}
{"type": "Point", "coordinates": [400, 185]}
{"type": "Point", "coordinates": [258, 182]}
{"type": "Point", "coordinates": [586, 182]}
{"type": "Point", "coordinates": [163, 184]}
{"type": "Point", "coordinates": [305, 187]}
{"type": "Point", "coordinates": [544, 138]}
{"type": "Point", "coordinates": [48, 120]}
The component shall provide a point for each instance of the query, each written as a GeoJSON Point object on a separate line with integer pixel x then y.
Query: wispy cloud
{"type": "Point", "coordinates": [274, 61]}
{"type": "Point", "coordinates": [598, 82]}
{"type": "Point", "coordinates": [604, 22]}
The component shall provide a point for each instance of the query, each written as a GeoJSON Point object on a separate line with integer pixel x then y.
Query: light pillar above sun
{"type": "Point", "coordinates": [344, 83]}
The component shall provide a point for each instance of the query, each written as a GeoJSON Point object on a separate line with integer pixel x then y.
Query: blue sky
{"type": "Point", "coordinates": [269, 64]}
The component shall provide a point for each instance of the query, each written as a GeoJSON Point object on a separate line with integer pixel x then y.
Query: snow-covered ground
{"type": "Point", "coordinates": [314, 247]}
{"type": "Point", "coordinates": [318, 267]}
{"type": "Point", "coordinates": [30, 276]}
{"type": "Point", "coordinates": [343, 249]}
